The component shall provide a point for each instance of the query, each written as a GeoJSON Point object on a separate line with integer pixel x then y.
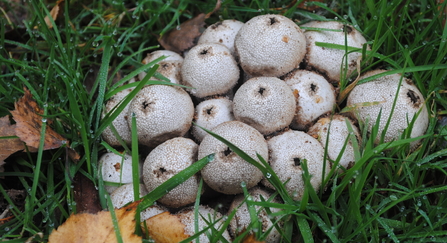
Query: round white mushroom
{"type": "Point", "coordinates": [207, 216]}
{"type": "Point", "coordinates": [315, 95]}
{"type": "Point", "coordinates": [328, 61]}
{"type": "Point", "coordinates": [167, 160]}
{"type": "Point", "coordinates": [265, 103]}
{"type": "Point", "coordinates": [377, 96]}
{"type": "Point", "coordinates": [116, 169]}
{"type": "Point", "coordinates": [169, 67]}
{"type": "Point", "coordinates": [162, 112]}
{"type": "Point", "coordinates": [270, 45]}
{"type": "Point", "coordinates": [120, 122]}
{"type": "Point", "coordinates": [210, 113]}
{"type": "Point", "coordinates": [125, 194]}
{"type": "Point", "coordinates": [334, 132]}
{"type": "Point", "coordinates": [222, 32]}
{"type": "Point", "coordinates": [227, 171]}
{"type": "Point", "coordinates": [241, 220]}
{"type": "Point", "coordinates": [210, 69]}
{"type": "Point", "coordinates": [287, 153]}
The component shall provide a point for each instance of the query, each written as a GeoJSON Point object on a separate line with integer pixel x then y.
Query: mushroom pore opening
{"type": "Point", "coordinates": [204, 52]}
{"type": "Point", "coordinates": [209, 111]}
{"type": "Point", "coordinates": [273, 20]}
{"type": "Point", "coordinates": [313, 87]}
{"type": "Point", "coordinates": [261, 90]}
{"type": "Point", "coordinates": [415, 99]}
{"type": "Point", "coordinates": [296, 161]}
{"type": "Point", "coordinates": [347, 29]}
{"type": "Point", "coordinates": [146, 104]}
{"type": "Point", "coordinates": [227, 151]}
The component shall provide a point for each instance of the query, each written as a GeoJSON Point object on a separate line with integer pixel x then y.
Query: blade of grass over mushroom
{"type": "Point", "coordinates": [174, 181]}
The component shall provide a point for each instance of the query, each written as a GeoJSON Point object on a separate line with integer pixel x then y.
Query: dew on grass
{"type": "Point", "coordinates": [44, 119]}
{"type": "Point", "coordinates": [345, 16]}
{"type": "Point", "coordinates": [393, 197]}
{"type": "Point", "coordinates": [367, 207]}
{"type": "Point", "coordinates": [268, 175]}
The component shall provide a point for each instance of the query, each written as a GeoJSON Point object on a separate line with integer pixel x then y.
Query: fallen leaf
{"type": "Point", "coordinates": [8, 145]}
{"type": "Point", "coordinates": [165, 228]}
{"type": "Point", "coordinates": [27, 115]}
{"type": "Point", "coordinates": [187, 34]}
{"type": "Point", "coordinates": [53, 13]}
{"type": "Point", "coordinates": [88, 228]}
{"type": "Point", "coordinates": [251, 239]}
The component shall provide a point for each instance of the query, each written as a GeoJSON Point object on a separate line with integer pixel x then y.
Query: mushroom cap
{"type": "Point", "coordinates": [207, 216]}
{"type": "Point", "coordinates": [124, 194]}
{"type": "Point", "coordinates": [227, 171]}
{"type": "Point", "coordinates": [162, 112]}
{"type": "Point", "coordinates": [270, 45]}
{"type": "Point", "coordinates": [167, 160]}
{"type": "Point", "coordinates": [222, 32]}
{"type": "Point", "coordinates": [316, 97]}
{"type": "Point", "coordinates": [287, 152]}
{"type": "Point", "coordinates": [120, 122]}
{"type": "Point", "coordinates": [169, 67]}
{"type": "Point", "coordinates": [210, 113]}
{"type": "Point", "coordinates": [116, 168]}
{"type": "Point", "coordinates": [338, 133]}
{"type": "Point", "coordinates": [383, 90]}
{"type": "Point", "coordinates": [210, 69]}
{"type": "Point", "coordinates": [265, 103]}
{"type": "Point", "coordinates": [327, 60]}
{"type": "Point", "coordinates": [242, 220]}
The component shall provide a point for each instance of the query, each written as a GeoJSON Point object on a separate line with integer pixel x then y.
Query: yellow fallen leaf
{"type": "Point", "coordinates": [92, 228]}
{"type": "Point", "coordinates": [165, 228]}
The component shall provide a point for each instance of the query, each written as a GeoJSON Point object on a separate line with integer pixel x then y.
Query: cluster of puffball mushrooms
{"type": "Point", "coordinates": [268, 88]}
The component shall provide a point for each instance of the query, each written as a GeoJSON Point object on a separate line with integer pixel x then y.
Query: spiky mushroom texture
{"type": "Point", "coordinates": [222, 32]}
{"type": "Point", "coordinates": [210, 69]}
{"type": "Point", "coordinates": [334, 132]}
{"type": "Point", "coordinates": [227, 171]}
{"type": "Point", "coordinates": [116, 168]}
{"type": "Point", "coordinates": [162, 112]}
{"type": "Point", "coordinates": [287, 153]}
{"type": "Point", "coordinates": [169, 67]}
{"type": "Point", "coordinates": [328, 61]}
{"type": "Point", "coordinates": [241, 220]}
{"type": "Point", "coordinates": [315, 95]}
{"type": "Point", "coordinates": [206, 217]}
{"type": "Point", "coordinates": [167, 160]}
{"type": "Point", "coordinates": [265, 103]}
{"type": "Point", "coordinates": [370, 99]}
{"type": "Point", "coordinates": [270, 45]}
{"type": "Point", "coordinates": [210, 113]}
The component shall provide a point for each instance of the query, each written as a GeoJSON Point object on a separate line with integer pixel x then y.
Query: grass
{"type": "Point", "coordinates": [391, 194]}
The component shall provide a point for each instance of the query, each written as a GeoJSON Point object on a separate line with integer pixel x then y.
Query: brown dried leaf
{"type": "Point", "coordinates": [85, 195]}
{"type": "Point", "coordinates": [184, 37]}
{"type": "Point", "coordinates": [251, 239]}
{"type": "Point", "coordinates": [98, 227]}
{"type": "Point", "coordinates": [187, 34]}
{"type": "Point", "coordinates": [165, 228]}
{"type": "Point", "coordinates": [29, 124]}
{"type": "Point", "coordinates": [10, 145]}
{"type": "Point", "coordinates": [53, 13]}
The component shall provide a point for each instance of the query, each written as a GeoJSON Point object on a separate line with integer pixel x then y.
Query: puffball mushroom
{"type": "Point", "coordinates": [242, 219]}
{"type": "Point", "coordinates": [116, 168]}
{"type": "Point", "coordinates": [169, 67]}
{"type": "Point", "coordinates": [265, 103]}
{"type": "Point", "coordinates": [125, 194]}
{"type": "Point", "coordinates": [227, 171]}
{"type": "Point", "coordinates": [207, 217]}
{"type": "Point", "coordinates": [270, 45]}
{"type": "Point", "coordinates": [167, 160]}
{"type": "Point", "coordinates": [162, 112]}
{"type": "Point", "coordinates": [120, 122]}
{"type": "Point", "coordinates": [222, 32]}
{"type": "Point", "coordinates": [287, 153]}
{"type": "Point", "coordinates": [334, 132]}
{"type": "Point", "coordinates": [210, 69]}
{"type": "Point", "coordinates": [377, 96]}
{"type": "Point", "coordinates": [328, 61]}
{"type": "Point", "coordinates": [210, 113]}
{"type": "Point", "coordinates": [315, 95]}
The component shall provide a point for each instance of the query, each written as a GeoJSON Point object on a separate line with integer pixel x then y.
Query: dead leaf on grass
{"type": "Point", "coordinates": [8, 145]}
{"type": "Point", "coordinates": [186, 35]}
{"type": "Point", "coordinates": [53, 13]}
{"type": "Point", "coordinates": [98, 227]}
{"type": "Point", "coordinates": [251, 239]}
{"type": "Point", "coordinates": [27, 115]}
{"type": "Point", "coordinates": [165, 228]}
